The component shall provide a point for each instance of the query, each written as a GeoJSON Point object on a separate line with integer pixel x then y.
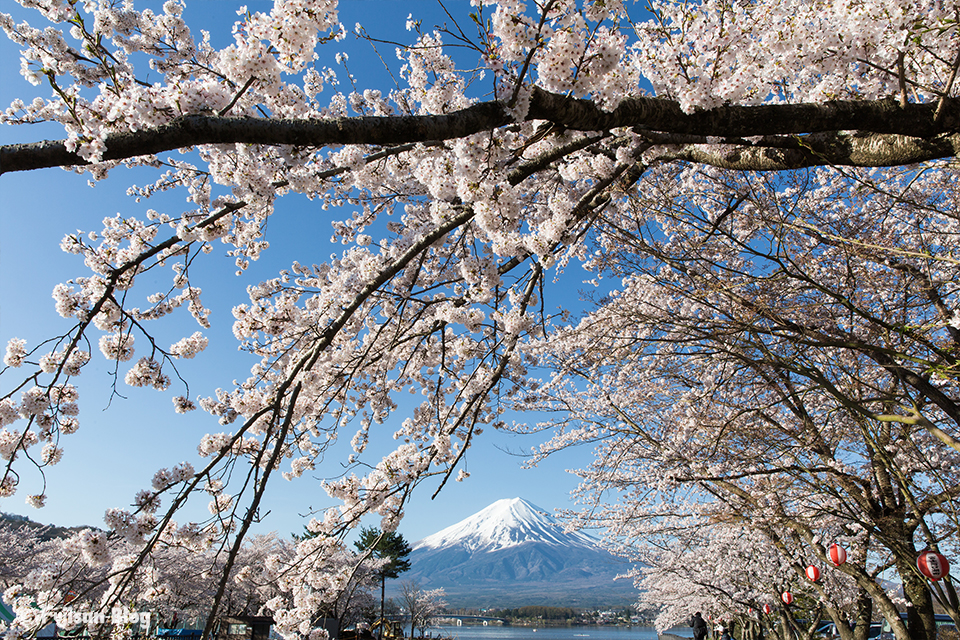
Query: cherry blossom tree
{"type": "Point", "coordinates": [732, 572]}
{"type": "Point", "coordinates": [800, 369]}
{"type": "Point", "coordinates": [63, 579]}
{"type": "Point", "coordinates": [460, 207]}
{"type": "Point", "coordinates": [20, 548]}
{"type": "Point", "coordinates": [422, 605]}
{"type": "Point", "coordinates": [728, 581]}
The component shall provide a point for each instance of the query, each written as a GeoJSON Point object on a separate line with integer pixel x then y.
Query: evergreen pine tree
{"type": "Point", "coordinates": [389, 545]}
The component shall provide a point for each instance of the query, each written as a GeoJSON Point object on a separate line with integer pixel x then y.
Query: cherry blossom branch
{"type": "Point", "coordinates": [79, 331]}
{"type": "Point", "coordinates": [946, 90]}
{"type": "Point", "coordinates": [886, 357]}
{"type": "Point", "coordinates": [923, 138]}
{"type": "Point", "coordinates": [237, 97]}
{"type": "Point", "coordinates": [475, 403]}
{"type": "Point", "coordinates": [254, 506]}
{"type": "Point", "coordinates": [129, 573]}
{"type": "Point", "coordinates": [933, 294]}
{"type": "Point", "coordinates": [839, 149]}
{"type": "Point", "coordinates": [518, 85]}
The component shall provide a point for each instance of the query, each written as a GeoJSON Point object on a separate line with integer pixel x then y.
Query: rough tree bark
{"type": "Point", "coordinates": [888, 134]}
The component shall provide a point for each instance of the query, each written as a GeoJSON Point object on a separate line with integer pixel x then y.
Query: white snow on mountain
{"type": "Point", "coordinates": [504, 524]}
{"type": "Point", "coordinates": [514, 554]}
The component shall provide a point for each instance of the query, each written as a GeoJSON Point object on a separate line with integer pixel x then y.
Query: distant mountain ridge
{"type": "Point", "coordinates": [512, 554]}
{"type": "Point", "coordinates": [46, 531]}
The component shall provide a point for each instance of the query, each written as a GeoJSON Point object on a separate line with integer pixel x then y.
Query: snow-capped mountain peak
{"type": "Point", "coordinates": [505, 523]}
{"type": "Point", "coordinates": [512, 554]}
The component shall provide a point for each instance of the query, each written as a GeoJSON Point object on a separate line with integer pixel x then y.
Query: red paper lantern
{"type": "Point", "coordinates": [767, 608]}
{"type": "Point", "coordinates": [813, 573]}
{"type": "Point", "coordinates": [837, 555]}
{"type": "Point", "coordinates": [787, 597]}
{"type": "Point", "coordinates": [932, 564]}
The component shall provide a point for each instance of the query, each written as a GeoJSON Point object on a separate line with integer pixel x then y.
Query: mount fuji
{"type": "Point", "coordinates": [514, 554]}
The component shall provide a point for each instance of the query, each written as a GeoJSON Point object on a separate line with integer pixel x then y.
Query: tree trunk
{"type": "Point", "coordinates": [864, 615]}
{"type": "Point", "coordinates": [383, 591]}
{"type": "Point", "coordinates": [920, 620]}
{"type": "Point", "coordinates": [786, 628]}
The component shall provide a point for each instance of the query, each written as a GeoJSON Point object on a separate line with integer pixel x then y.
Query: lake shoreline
{"type": "Point", "coordinates": [553, 632]}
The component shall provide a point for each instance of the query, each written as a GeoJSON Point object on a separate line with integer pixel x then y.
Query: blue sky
{"type": "Point", "coordinates": [122, 441]}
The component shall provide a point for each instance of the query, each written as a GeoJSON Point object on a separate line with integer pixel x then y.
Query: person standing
{"type": "Point", "coordinates": [699, 627]}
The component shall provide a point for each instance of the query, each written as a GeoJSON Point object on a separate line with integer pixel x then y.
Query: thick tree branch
{"type": "Point", "coordinates": [913, 131]}
{"type": "Point", "coordinates": [657, 114]}
{"type": "Point", "coordinates": [841, 149]}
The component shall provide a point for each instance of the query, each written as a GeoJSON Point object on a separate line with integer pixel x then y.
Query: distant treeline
{"type": "Point", "coordinates": [47, 531]}
{"type": "Point", "coordinates": [537, 613]}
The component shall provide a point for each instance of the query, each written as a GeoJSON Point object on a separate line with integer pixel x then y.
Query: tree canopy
{"type": "Point", "coordinates": [770, 186]}
{"type": "Point", "coordinates": [389, 546]}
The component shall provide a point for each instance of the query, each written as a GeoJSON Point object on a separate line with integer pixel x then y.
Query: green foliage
{"type": "Point", "coordinates": [385, 545]}
{"type": "Point", "coordinates": [537, 612]}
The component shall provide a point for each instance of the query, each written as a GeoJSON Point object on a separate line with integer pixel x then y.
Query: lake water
{"type": "Point", "coordinates": [477, 632]}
